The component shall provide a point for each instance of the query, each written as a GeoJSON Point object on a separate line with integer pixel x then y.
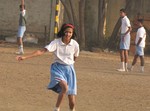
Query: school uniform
{"type": "Point", "coordinates": [22, 24]}
{"type": "Point", "coordinates": [62, 67]}
{"type": "Point", "coordinates": [125, 42]}
{"type": "Point", "coordinates": [141, 33]}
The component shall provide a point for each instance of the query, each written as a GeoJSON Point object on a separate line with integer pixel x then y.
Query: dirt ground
{"type": "Point", "coordinates": [100, 87]}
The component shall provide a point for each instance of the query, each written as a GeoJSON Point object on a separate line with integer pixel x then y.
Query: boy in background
{"type": "Point", "coordinates": [140, 45]}
{"type": "Point", "coordinates": [125, 40]}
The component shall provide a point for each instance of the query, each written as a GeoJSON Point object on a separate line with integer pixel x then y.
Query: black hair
{"type": "Point", "coordinates": [140, 20]}
{"type": "Point", "coordinates": [61, 33]}
{"type": "Point", "coordinates": [20, 6]}
{"type": "Point", "coordinates": [123, 10]}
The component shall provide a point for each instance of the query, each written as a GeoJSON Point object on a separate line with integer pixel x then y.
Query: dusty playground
{"type": "Point", "coordinates": [100, 86]}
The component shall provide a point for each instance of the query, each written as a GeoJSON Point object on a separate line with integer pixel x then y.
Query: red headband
{"type": "Point", "coordinates": [69, 25]}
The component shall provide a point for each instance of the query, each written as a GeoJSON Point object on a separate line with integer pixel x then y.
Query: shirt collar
{"type": "Point", "coordinates": [124, 17]}
{"type": "Point", "coordinates": [61, 43]}
{"type": "Point", "coordinates": [24, 10]}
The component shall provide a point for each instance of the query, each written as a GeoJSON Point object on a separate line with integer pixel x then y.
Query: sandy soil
{"type": "Point", "coordinates": [100, 86]}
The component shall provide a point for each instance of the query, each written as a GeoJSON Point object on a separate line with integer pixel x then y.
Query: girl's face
{"type": "Point", "coordinates": [122, 14]}
{"type": "Point", "coordinates": [68, 33]}
{"type": "Point", "coordinates": [22, 7]}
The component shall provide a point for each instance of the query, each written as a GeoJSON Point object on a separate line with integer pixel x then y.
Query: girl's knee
{"type": "Point", "coordinates": [64, 87]}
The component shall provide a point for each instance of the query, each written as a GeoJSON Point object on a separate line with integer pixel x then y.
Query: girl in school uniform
{"type": "Point", "coordinates": [63, 77]}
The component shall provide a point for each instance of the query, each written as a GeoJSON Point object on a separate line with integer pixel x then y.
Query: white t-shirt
{"type": "Point", "coordinates": [64, 54]}
{"type": "Point", "coordinates": [23, 12]}
{"type": "Point", "coordinates": [141, 33]}
{"type": "Point", "coordinates": [125, 24]}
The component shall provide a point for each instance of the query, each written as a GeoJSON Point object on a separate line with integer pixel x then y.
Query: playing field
{"type": "Point", "coordinates": [100, 87]}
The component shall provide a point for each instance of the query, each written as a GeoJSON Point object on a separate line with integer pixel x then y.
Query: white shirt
{"type": "Point", "coordinates": [125, 24]}
{"type": "Point", "coordinates": [23, 12]}
{"type": "Point", "coordinates": [141, 33]}
{"type": "Point", "coordinates": [64, 54]}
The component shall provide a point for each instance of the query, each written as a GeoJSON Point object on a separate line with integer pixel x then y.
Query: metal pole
{"type": "Point", "coordinates": [56, 18]}
{"type": "Point", "coordinates": [50, 21]}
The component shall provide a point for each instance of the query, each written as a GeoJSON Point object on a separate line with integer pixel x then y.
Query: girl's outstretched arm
{"type": "Point", "coordinates": [34, 54]}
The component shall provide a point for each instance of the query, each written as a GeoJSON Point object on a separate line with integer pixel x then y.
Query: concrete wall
{"type": "Point", "coordinates": [39, 15]}
{"type": "Point", "coordinates": [38, 12]}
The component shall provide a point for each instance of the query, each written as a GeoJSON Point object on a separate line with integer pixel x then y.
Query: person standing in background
{"type": "Point", "coordinates": [22, 28]}
{"type": "Point", "coordinates": [140, 45]}
{"type": "Point", "coordinates": [125, 40]}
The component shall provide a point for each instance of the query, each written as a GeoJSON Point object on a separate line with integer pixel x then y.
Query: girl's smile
{"type": "Point", "coordinates": [68, 34]}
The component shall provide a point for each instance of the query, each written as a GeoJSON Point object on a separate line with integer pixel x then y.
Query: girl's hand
{"type": "Point", "coordinates": [20, 58]}
{"type": "Point", "coordinates": [34, 54]}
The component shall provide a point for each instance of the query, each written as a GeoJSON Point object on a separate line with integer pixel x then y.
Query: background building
{"type": "Point", "coordinates": [41, 18]}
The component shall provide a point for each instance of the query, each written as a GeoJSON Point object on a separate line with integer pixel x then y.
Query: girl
{"type": "Point", "coordinates": [63, 77]}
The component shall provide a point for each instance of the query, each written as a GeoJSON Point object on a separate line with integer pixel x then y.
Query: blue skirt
{"type": "Point", "coordinates": [65, 73]}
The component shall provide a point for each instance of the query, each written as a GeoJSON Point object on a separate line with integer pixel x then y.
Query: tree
{"type": "Point", "coordinates": [101, 20]}
{"type": "Point", "coordinates": [112, 43]}
{"type": "Point", "coordinates": [77, 18]}
{"type": "Point", "coordinates": [81, 24]}
{"type": "Point", "coordinates": [70, 10]}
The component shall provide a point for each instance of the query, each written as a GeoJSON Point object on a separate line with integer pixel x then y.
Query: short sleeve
{"type": "Point", "coordinates": [142, 33]}
{"type": "Point", "coordinates": [77, 50]}
{"type": "Point", "coordinates": [128, 23]}
{"type": "Point", "coordinates": [23, 12]}
{"type": "Point", "coordinates": [52, 46]}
